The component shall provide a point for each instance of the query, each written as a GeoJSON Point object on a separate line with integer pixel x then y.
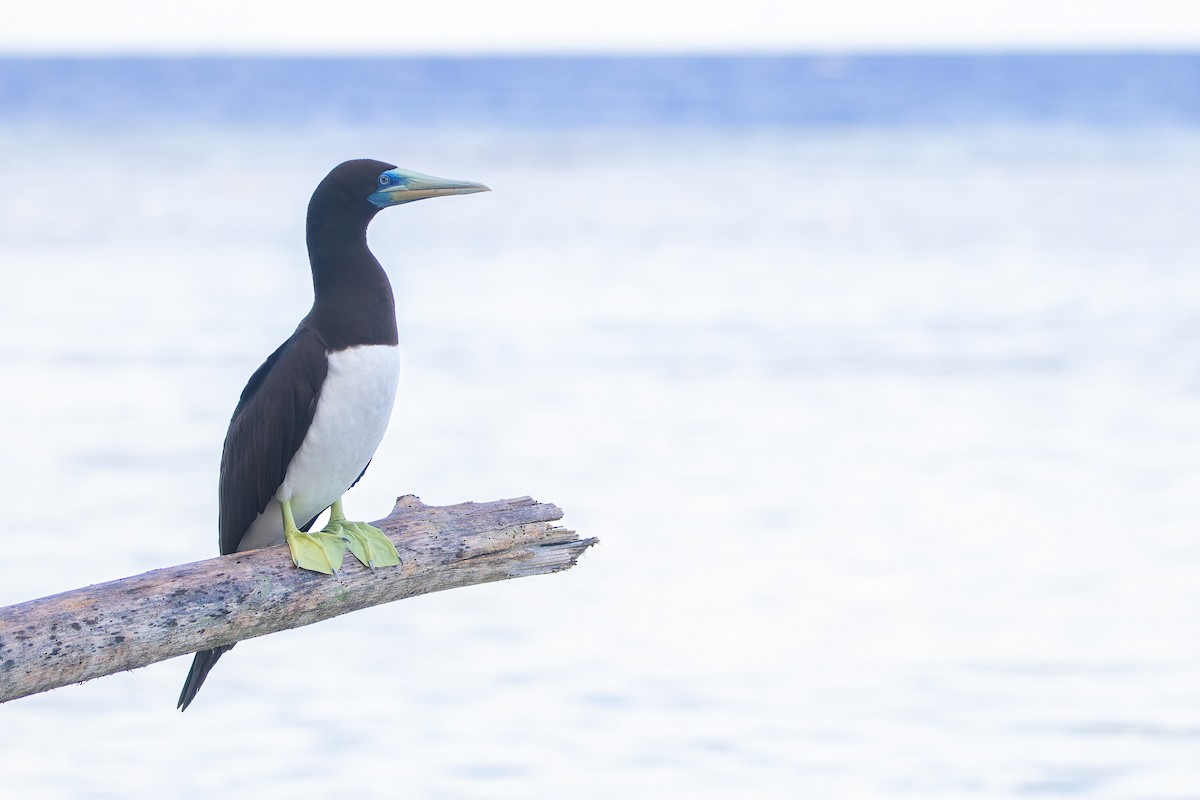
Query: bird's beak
{"type": "Point", "coordinates": [398, 186]}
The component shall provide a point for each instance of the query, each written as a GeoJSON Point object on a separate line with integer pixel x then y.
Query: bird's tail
{"type": "Point", "coordinates": [201, 664]}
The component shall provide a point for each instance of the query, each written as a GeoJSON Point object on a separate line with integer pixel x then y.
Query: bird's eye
{"type": "Point", "coordinates": [385, 179]}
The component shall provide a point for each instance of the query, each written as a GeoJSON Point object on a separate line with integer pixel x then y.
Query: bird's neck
{"type": "Point", "coordinates": [353, 301]}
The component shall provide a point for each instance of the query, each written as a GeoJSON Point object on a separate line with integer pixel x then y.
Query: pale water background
{"type": "Point", "coordinates": [876, 377]}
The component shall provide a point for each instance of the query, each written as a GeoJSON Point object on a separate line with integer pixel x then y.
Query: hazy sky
{"type": "Point", "coordinates": [422, 26]}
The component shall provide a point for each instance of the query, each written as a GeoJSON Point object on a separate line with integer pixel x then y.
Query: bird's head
{"type": "Point", "coordinates": [364, 186]}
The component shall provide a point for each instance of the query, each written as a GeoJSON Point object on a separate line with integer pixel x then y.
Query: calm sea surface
{"type": "Point", "coordinates": [877, 378]}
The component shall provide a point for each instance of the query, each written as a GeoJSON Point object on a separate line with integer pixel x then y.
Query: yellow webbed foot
{"type": "Point", "coordinates": [368, 544]}
{"type": "Point", "coordinates": [319, 552]}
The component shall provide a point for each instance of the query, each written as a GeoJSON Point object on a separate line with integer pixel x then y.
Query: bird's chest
{"type": "Point", "coordinates": [351, 416]}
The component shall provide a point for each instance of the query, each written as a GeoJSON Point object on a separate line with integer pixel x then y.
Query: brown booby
{"type": "Point", "coordinates": [311, 416]}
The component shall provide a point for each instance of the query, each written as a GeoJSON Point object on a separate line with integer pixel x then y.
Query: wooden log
{"type": "Point", "coordinates": [98, 630]}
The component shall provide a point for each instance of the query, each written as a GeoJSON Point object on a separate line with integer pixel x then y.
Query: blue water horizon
{"type": "Point", "coordinates": [802, 90]}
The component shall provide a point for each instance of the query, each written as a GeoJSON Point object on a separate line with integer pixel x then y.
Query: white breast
{"type": "Point", "coordinates": [352, 414]}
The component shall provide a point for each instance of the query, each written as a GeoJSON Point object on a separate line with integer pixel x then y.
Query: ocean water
{"type": "Point", "coordinates": [875, 376]}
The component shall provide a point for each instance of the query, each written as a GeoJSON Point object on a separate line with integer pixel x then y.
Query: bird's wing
{"type": "Point", "coordinates": [268, 425]}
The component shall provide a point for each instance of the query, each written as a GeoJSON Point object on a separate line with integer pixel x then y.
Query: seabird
{"type": "Point", "coordinates": [311, 416]}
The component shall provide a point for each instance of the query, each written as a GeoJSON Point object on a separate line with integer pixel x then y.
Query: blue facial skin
{"type": "Point", "coordinates": [396, 186]}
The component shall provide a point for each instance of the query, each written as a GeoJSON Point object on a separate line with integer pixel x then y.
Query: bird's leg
{"type": "Point", "coordinates": [319, 552]}
{"type": "Point", "coordinates": [368, 544]}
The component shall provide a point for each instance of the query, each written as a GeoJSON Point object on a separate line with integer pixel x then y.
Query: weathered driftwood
{"type": "Point", "coordinates": [98, 630]}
